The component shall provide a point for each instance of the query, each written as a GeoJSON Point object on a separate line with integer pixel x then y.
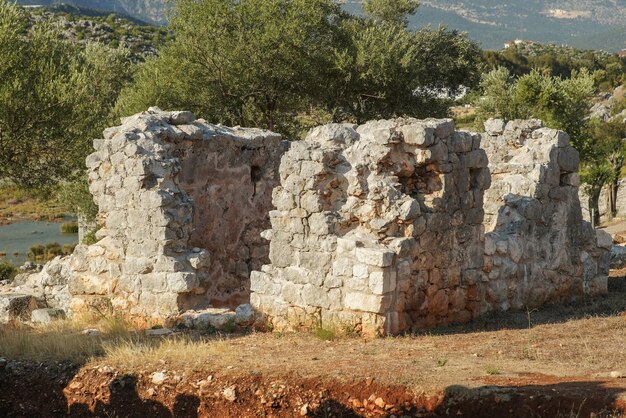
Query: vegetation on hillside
{"type": "Point", "coordinates": [108, 29]}
{"type": "Point", "coordinates": [609, 70]}
{"type": "Point", "coordinates": [55, 97]}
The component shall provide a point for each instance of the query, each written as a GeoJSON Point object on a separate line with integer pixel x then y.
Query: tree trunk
{"type": "Point", "coordinates": [594, 198]}
{"type": "Point", "coordinates": [613, 188]}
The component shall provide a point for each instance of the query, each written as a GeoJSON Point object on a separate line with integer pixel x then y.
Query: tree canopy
{"type": "Point", "coordinates": [562, 103]}
{"type": "Point", "coordinates": [54, 98]}
{"type": "Point", "coordinates": [279, 63]}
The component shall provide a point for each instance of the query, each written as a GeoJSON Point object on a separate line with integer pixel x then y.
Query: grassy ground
{"type": "Point", "coordinates": [16, 203]}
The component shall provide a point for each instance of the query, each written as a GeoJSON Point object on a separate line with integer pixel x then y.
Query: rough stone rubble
{"type": "Point", "coordinates": [378, 228]}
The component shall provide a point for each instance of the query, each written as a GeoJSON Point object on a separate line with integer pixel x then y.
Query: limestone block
{"type": "Point", "coordinates": [360, 284]}
{"type": "Point", "coordinates": [281, 255]}
{"type": "Point", "coordinates": [182, 118]}
{"type": "Point", "coordinates": [244, 315]}
{"type": "Point", "coordinates": [568, 159]}
{"type": "Point", "coordinates": [15, 306]}
{"type": "Point", "coordinates": [409, 210]}
{"type": "Point", "coordinates": [90, 284]}
{"type": "Point", "coordinates": [460, 142]}
{"type": "Point", "coordinates": [495, 126]}
{"type": "Point", "coordinates": [321, 223]}
{"type": "Point", "coordinates": [418, 135]}
{"type": "Point", "coordinates": [444, 128]}
{"type": "Point", "coordinates": [438, 152]}
{"type": "Point", "coordinates": [315, 296]}
{"type": "Point", "coordinates": [208, 318]}
{"type": "Point", "coordinates": [317, 261]}
{"type": "Point", "coordinates": [292, 293]}
{"type": "Point", "coordinates": [46, 316]}
{"type": "Point", "coordinates": [182, 282]}
{"type": "Point", "coordinates": [571, 179]}
{"type": "Point", "coordinates": [375, 256]}
{"type": "Point", "coordinates": [403, 247]}
{"type": "Point", "coordinates": [475, 159]}
{"type": "Point", "coordinates": [334, 133]}
{"type": "Point", "coordinates": [604, 239]}
{"type": "Point", "coordinates": [342, 266]}
{"type": "Point", "coordinates": [382, 282]}
{"type": "Point", "coordinates": [332, 282]}
{"type": "Point", "coordinates": [365, 302]}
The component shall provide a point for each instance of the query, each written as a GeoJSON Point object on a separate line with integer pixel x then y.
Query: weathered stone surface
{"type": "Point", "coordinates": [388, 203]}
{"type": "Point", "coordinates": [208, 318]}
{"type": "Point", "coordinates": [15, 306]}
{"type": "Point", "coordinates": [46, 315]}
{"type": "Point", "coordinates": [533, 216]}
{"type": "Point", "coordinates": [427, 227]}
{"type": "Point", "coordinates": [182, 205]}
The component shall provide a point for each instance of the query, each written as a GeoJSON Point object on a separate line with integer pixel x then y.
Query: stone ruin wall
{"type": "Point", "coordinates": [182, 206]}
{"type": "Point", "coordinates": [538, 249]}
{"type": "Point", "coordinates": [387, 227]}
{"type": "Point", "coordinates": [380, 228]}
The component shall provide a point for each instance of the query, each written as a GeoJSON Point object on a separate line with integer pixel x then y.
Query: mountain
{"type": "Point", "coordinates": [149, 11]}
{"type": "Point", "coordinates": [596, 24]}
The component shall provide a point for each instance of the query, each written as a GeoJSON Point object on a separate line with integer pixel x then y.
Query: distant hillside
{"type": "Point", "coordinates": [81, 25]}
{"type": "Point", "coordinates": [597, 24]}
{"type": "Point", "coordinates": [150, 11]}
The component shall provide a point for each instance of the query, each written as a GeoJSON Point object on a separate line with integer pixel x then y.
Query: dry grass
{"type": "Point", "coordinates": [62, 340]}
{"type": "Point", "coordinates": [582, 341]}
{"type": "Point", "coordinates": [182, 351]}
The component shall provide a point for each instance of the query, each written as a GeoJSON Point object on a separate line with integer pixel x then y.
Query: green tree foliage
{"type": "Point", "coordinates": [283, 64]}
{"type": "Point", "coordinates": [7, 271]}
{"type": "Point", "coordinates": [75, 197]}
{"type": "Point", "coordinates": [609, 70]}
{"type": "Point", "coordinates": [562, 104]}
{"type": "Point", "coordinates": [54, 98]}
{"type": "Point", "coordinates": [240, 62]}
{"type": "Point", "coordinates": [604, 161]}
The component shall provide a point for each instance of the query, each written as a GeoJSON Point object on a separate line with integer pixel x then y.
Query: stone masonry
{"type": "Point", "coordinates": [380, 228]}
{"type": "Point", "coordinates": [386, 227]}
{"type": "Point", "coordinates": [182, 206]}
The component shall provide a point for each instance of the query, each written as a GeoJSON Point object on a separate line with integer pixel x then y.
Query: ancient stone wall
{"type": "Point", "coordinates": [182, 205]}
{"type": "Point", "coordinates": [383, 227]}
{"type": "Point", "coordinates": [380, 228]}
{"type": "Point", "coordinates": [538, 249]}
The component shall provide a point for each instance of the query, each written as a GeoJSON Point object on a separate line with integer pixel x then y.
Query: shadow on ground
{"type": "Point", "coordinates": [614, 303]}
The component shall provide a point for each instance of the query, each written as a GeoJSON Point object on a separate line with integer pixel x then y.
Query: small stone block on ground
{"type": "Point", "coordinates": [15, 306]}
{"type": "Point", "coordinates": [47, 315]}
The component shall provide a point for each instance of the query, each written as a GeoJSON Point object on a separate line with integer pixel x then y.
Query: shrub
{"type": "Point", "coordinates": [7, 270]}
{"type": "Point", "coordinates": [36, 252]}
{"type": "Point", "coordinates": [69, 227]}
{"type": "Point", "coordinates": [324, 334]}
